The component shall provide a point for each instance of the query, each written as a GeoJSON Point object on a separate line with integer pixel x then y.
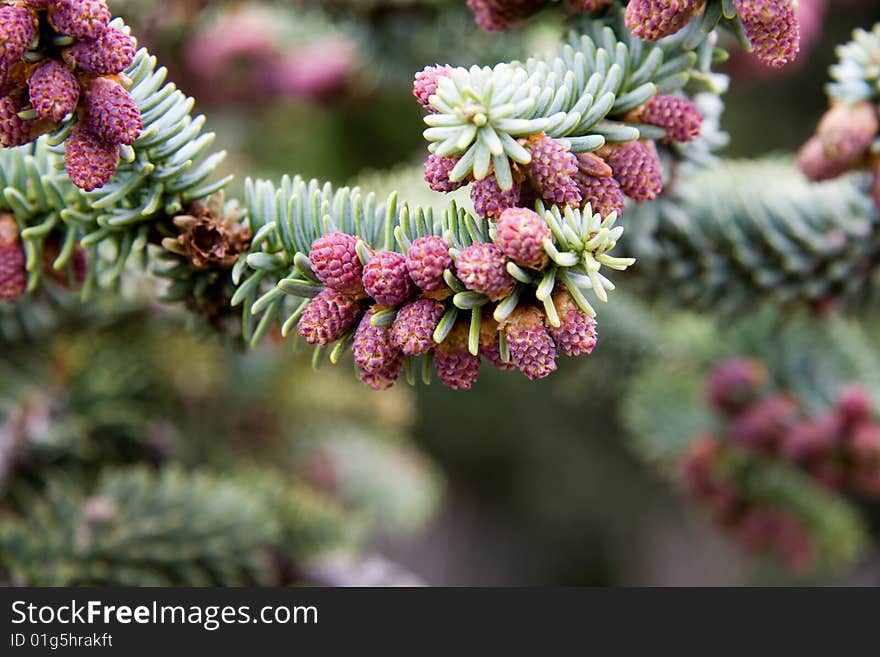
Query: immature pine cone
{"type": "Point", "coordinates": [110, 53]}
{"type": "Point", "coordinates": [735, 383]}
{"type": "Point", "coordinates": [111, 113]}
{"type": "Point", "coordinates": [425, 84]}
{"type": "Point", "coordinates": [81, 19]}
{"type": "Point", "coordinates": [18, 27]}
{"type": "Point", "coordinates": [576, 333]}
{"type": "Point", "coordinates": [328, 317]}
{"type": "Point", "coordinates": [500, 15]}
{"type": "Point", "coordinates": [490, 345]}
{"type": "Point", "coordinates": [490, 200]}
{"type": "Point", "coordinates": [54, 90]}
{"type": "Point", "coordinates": [13, 275]}
{"type": "Point", "coordinates": [636, 166]}
{"type": "Point", "coordinates": [772, 28]}
{"type": "Point", "coordinates": [763, 425]}
{"type": "Point", "coordinates": [335, 262]}
{"type": "Point", "coordinates": [847, 132]}
{"type": "Point", "coordinates": [603, 195]}
{"type": "Point", "coordinates": [553, 169]}
{"type": "Point", "coordinates": [520, 236]}
{"type": "Point", "coordinates": [413, 328]}
{"type": "Point", "coordinates": [15, 131]}
{"type": "Point", "coordinates": [387, 280]}
{"type": "Point", "coordinates": [482, 268]}
{"type": "Point", "coordinates": [437, 170]}
{"type": "Point", "coordinates": [89, 160]}
{"type": "Point", "coordinates": [531, 348]}
{"type": "Point", "coordinates": [652, 20]}
{"type": "Point", "coordinates": [457, 368]}
{"type": "Point", "coordinates": [426, 260]}
{"type": "Point", "coordinates": [372, 348]}
{"type": "Point", "coordinates": [678, 116]}
{"type": "Point", "coordinates": [815, 164]}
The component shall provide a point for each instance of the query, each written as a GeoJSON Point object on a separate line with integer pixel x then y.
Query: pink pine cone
{"type": "Point", "coordinates": [328, 317]}
{"type": "Point", "coordinates": [111, 113]}
{"type": "Point", "coordinates": [734, 383]}
{"type": "Point", "coordinates": [520, 236]}
{"type": "Point", "coordinates": [482, 268]}
{"type": "Point", "coordinates": [636, 166]}
{"type": "Point", "coordinates": [457, 368]}
{"type": "Point", "coordinates": [532, 349]}
{"type": "Point", "coordinates": [18, 27]}
{"type": "Point", "coordinates": [373, 349]}
{"type": "Point", "coordinates": [815, 164]}
{"type": "Point", "coordinates": [500, 15]}
{"type": "Point", "coordinates": [425, 84]}
{"type": "Point", "coordinates": [553, 169]}
{"type": "Point", "coordinates": [490, 344]}
{"type": "Point", "coordinates": [426, 260]}
{"type": "Point", "coordinates": [384, 378]}
{"type": "Point", "coordinates": [413, 328]}
{"type": "Point", "coordinates": [576, 334]}
{"type": "Point", "coordinates": [678, 116]}
{"type": "Point", "coordinates": [847, 132]}
{"type": "Point", "coordinates": [89, 160]}
{"type": "Point", "coordinates": [13, 275]}
{"type": "Point", "coordinates": [652, 20]}
{"type": "Point", "coordinates": [490, 200]}
{"type": "Point", "coordinates": [54, 90]}
{"type": "Point", "coordinates": [335, 262]}
{"type": "Point", "coordinates": [81, 19]}
{"type": "Point", "coordinates": [602, 194]}
{"type": "Point", "coordinates": [111, 52]}
{"type": "Point", "coordinates": [387, 280]}
{"type": "Point", "coordinates": [772, 28]}
{"type": "Point", "coordinates": [763, 425]}
{"type": "Point", "coordinates": [15, 131]}
{"type": "Point", "coordinates": [437, 170]}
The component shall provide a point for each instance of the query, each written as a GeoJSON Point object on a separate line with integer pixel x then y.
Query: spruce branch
{"type": "Point", "coordinates": [728, 241]}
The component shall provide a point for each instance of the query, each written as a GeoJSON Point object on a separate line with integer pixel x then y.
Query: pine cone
{"type": "Point", "coordinates": [490, 200]}
{"type": "Point", "coordinates": [425, 84]}
{"type": "Point", "coordinates": [772, 28]}
{"type": "Point", "coordinates": [110, 53]}
{"type": "Point", "coordinates": [457, 368]}
{"type": "Point", "coordinates": [426, 261]}
{"type": "Point", "coordinates": [328, 317]}
{"type": "Point", "coordinates": [13, 275]}
{"type": "Point", "coordinates": [387, 280]}
{"type": "Point", "coordinates": [576, 333]}
{"type": "Point", "coordinates": [81, 19]}
{"type": "Point", "coordinates": [678, 116]}
{"type": "Point", "coordinates": [413, 328]}
{"type": "Point", "coordinates": [531, 348]}
{"type": "Point", "coordinates": [54, 90]}
{"type": "Point", "coordinates": [335, 262]}
{"type": "Point", "coordinates": [652, 20]}
{"type": "Point", "coordinates": [482, 268]}
{"type": "Point", "coordinates": [520, 235]}
{"type": "Point", "coordinates": [553, 169]}
{"type": "Point", "coordinates": [636, 166]}
{"type": "Point", "coordinates": [89, 160]}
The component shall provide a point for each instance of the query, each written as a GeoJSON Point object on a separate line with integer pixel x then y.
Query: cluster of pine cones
{"type": "Point", "coordinates": [559, 177]}
{"type": "Point", "coordinates": [839, 449]}
{"type": "Point", "coordinates": [398, 305]}
{"type": "Point", "coordinates": [771, 26]}
{"type": "Point", "coordinates": [62, 58]}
